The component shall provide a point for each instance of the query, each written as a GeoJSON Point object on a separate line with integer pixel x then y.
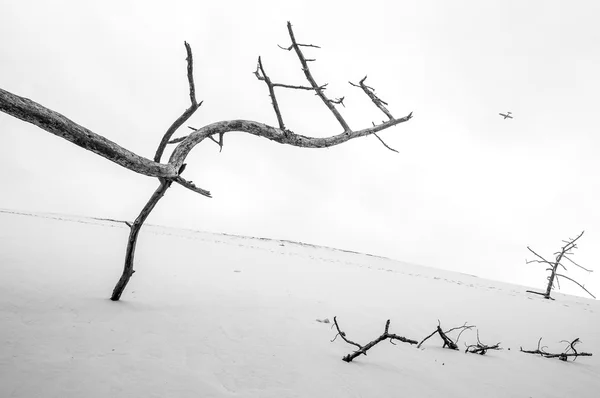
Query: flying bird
{"type": "Point", "coordinates": [506, 115]}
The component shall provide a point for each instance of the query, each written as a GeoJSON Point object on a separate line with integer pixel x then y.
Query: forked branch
{"type": "Point", "coordinates": [187, 113]}
{"type": "Point", "coordinates": [362, 350]}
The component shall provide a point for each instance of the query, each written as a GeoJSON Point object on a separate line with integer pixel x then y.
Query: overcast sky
{"type": "Point", "coordinates": [468, 191]}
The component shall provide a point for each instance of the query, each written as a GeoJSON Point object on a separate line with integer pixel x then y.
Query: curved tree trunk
{"type": "Point", "coordinates": [133, 235]}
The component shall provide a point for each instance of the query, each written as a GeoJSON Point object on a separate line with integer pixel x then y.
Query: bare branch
{"type": "Point", "coordinates": [371, 94]}
{"type": "Point", "coordinates": [274, 134]}
{"type": "Point", "coordinates": [176, 140]}
{"type": "Point", "coordinates": [536, 351]}
{"type": "Point", "coordinates": [187, 113]}
{"type": "Point", "coordinates": [543, 259]}
{"type": "Point", "coordinates": [426, 338]}
{"type": "Point", "coordinates": [57, 124]}
{"type": "Point", "coordinates": [266, 79]}
{"type": "Point", "coordinates": [343, 335]}
{"type": "Point", "coordinates": [384, 144]}
{"type": "Point", "coordinates": [574, 263]}
{"type": "Point", "coordinates": [481, 348]}
{"type": "Point", "coordinates": [338, 101]}
{"type": "Point", "coordinates": [570, 244]}
{"type": "Point", "coordinates": [363, 349]}
{"type": "Point", "coordinates": [300, 45]}
{"type": "Point", "coordinates": [577, 283]}
{"type": "Point", "coordinates": [312, 81]}
{"type": "Point", "coordinates": [220, 142]}
{"type": "Point", "coordinates": [298, 87]}
{"type": "Point", "coordinates": [190, 185]}
{"type": "Point", "coordinates": [562, 356]}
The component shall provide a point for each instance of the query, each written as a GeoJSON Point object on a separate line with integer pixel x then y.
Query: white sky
{"type": "Point", "coordinates": [467, 192]}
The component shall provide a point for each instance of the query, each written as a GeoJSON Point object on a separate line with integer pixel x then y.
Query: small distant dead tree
{"type": "Point", "coordinates": [569, 351]}
{"type": "Point", "coordinates": [481, 348]}
{"type": "Point", "coordinates": [564, 254]}
{"type": "Point", "coordinates": [171, 172]}
{"type": "Point", "coordinates": [448, 342]}
{"type": "Point", "coordinates": [362, 349]}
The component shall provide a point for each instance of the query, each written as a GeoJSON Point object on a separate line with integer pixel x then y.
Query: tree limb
{"type": "Point", "coordinates": [384, 144]}
{"type": "Point", "coordinates": [537, 261]}
{"type": "Point", "coordinates": [266, 79]}
{"type": "Point", "coordinates": [59, 125]}
{"type": "Point", "coordinates": [577, 283]}
{"type": "Point", "coordinates": [312, 81]}
{"type": "Point", "coordinates": [187, 113]}
{"type": "Point", "coordinates": [271, 133]}
{"type": "Point", "coordinates": [574, 263]}
{"type": "Point", "coordinates": [190, 185]}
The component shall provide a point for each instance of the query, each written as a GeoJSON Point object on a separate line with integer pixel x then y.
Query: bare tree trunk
{"type": "Point", "coordinates": [552, 276]}
{"type": "Point", "coordinates": [133, 235]}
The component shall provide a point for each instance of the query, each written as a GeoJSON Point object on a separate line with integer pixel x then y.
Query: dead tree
{"type": "Point", "coordinates": [481, 348]}
{"type": "Point", "coordinates": [448, 342]}
{"type": "Point", "coordinates": [569, 351]}
{"type": "Point", "coordinates": [564, 254]}
{"type": "Point", "coordinates": [362, 350]}
{"type": "Point", "coordinates": [171, 171]}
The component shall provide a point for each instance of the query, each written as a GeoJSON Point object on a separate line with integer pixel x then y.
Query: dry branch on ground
{"type": "Point", "coordinates": [362, 350]}
{"type": "Point", "coordinates": [569, 351]}
{"type": "Point", "coordinates": [481, 348]}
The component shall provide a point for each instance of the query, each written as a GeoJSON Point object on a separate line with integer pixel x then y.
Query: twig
{"type": "Point", "coordinates": [343, 335]}
{"type": "Point", "coordinates": [177, 140]}
{"type": "Point", "coordinates": [384, 144]}
{"type": "Point", "coordinates": [537, 261]}
{"type": "Point", "coordinates": [379, 103]}
{"type": "Point", "coordinates": [190, 185]}
{"type": "Point", "coordinates": [300, 45]}
{"type": "Point", "coordinates": [574, 263]}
